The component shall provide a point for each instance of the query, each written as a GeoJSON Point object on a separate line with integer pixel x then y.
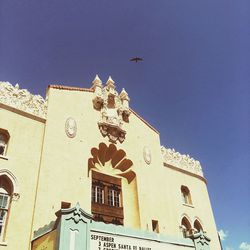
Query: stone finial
{"type": "Point", "coordinates": [110, 83]}
{"type": "Point", "coordinates": [97, 82]}
{"type": "Point", "coordinates": [124, 95]}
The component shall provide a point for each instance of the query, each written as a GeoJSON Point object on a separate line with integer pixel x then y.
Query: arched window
{"type": "Point", "coordinates": [197, 226]}
{"type": "Point", "coordinates": [186, 227]}
{"type": "Point", "coordinates": [186, 196]}
{"type": "Point", "coordinates": [6, 191]}
{"type": "Point", "coordinates": [4, 138]}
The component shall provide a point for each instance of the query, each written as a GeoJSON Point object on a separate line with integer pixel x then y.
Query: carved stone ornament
{"type": "Point", "coordinates": [15, 196]}
{"type": "Point", "coordinates": [114, 109]}
{"type": "Point", "coordinates": [22, 99]}
{"type": "Point", "coordinates": [70, 127]}
{"type": "Point", "coordinates": [147, 155]}
{"type": "Point", "coordinates": [185, 162]}
{"type": "Point", "coordinates": [201, 241]}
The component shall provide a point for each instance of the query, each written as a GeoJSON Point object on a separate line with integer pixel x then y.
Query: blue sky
{"type": "Point", "coordinates": [193, 84]}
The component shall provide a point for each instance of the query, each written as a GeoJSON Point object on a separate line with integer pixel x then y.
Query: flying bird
{"type": "Point", "coordinates": [136, 59]}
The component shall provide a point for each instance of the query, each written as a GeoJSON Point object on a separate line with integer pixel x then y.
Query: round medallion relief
{"type": "Point", "coordinates": [70, 127]}
{"type": "Point", "coordinates": [147, 155]}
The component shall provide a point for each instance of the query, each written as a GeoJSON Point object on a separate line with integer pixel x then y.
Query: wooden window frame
{"type": "Point", "coordinates": [110, 209]}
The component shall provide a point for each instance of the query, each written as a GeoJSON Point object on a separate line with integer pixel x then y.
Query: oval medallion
{"type": "Point", "coordinates": [147, 155]}
{"type": "Point", "coordinates": [70, 127]}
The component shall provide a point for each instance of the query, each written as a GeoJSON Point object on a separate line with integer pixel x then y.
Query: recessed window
{"type": "Point", "coordinates": [111, 102]}
{"type": "Point", "coordinates": [197, 226]}
{"type": "Point", "coordinates": [155, 226]}
{"type": "Point", "coordinates": [4, 138]}
{"type": "Point", "coordinates": [5, 199]}
{"type": "Point", "coordinates": [186, 196]}
{"type": "Point", "coordinates": [106, 198]}
{"type": "Point", "coordinates": [97, 192]}
{"type": "Point", "coordinates": [186, 227]}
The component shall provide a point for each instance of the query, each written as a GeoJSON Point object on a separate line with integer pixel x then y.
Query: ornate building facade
{"type": "Point", "coordinates": [88, 147]}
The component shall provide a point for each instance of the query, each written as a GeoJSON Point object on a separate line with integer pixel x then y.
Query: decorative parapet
{"type": "Point", "coordinates": [114, 109]}
{"type": "Point", "coordinates": [185, 162]}
{"type": "Point", "coordinates": [22, 99]}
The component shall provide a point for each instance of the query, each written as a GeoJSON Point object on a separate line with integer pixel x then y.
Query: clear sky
{"type": "Point", "coordinates": [193, 85]}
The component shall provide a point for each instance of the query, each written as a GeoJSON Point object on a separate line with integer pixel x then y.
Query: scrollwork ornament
{"type": "Point", "coordinates": [15, 196]}
{"type": "Point", "coordinates": [70, 127]}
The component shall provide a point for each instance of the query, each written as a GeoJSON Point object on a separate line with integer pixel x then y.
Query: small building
{"type": "Point", "coordinates": [81, 170]}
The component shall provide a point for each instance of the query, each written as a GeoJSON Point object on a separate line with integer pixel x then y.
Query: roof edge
{"type": "Point", "coordinates": [62, 87]}
{"type": "Point", "coordinates": [144, 121]}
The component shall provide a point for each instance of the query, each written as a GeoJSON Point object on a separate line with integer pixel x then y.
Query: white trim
{"type": "Point", "coordinates": [3, 243]}
{"type": "Point", "coordinates": [199, 220]}
{"type": "Point", "coordinates": [4, 157]}
{"type": "Point", "coordinates": [12, 178]}
{"type": "Point", "coordinates": [188, 205]}
{"type": "Point", "coordinates": [188, 218]}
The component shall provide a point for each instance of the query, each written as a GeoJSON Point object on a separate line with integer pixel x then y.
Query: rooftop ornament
{"type": "Point", "coordinates": [185, 162]}
{"type": "Point", "coordinates": [114, 109]}
{"type": "Point", "coordinates": [22, 99]}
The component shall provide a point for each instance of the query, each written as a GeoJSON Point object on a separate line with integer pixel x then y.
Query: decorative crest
{"type": "Point", "coordinates": [114, 110]}
{"type": "Point", "coordinates": [22, 99]}
{"type": "Point", "coordinates": [171, 157]}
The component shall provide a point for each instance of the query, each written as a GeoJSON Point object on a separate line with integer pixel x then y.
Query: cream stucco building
{"type": "Point", "coordinates": [88, 146]}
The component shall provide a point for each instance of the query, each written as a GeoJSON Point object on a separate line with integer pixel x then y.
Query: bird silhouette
{"type": "Point", "coordinates": [136, 59]}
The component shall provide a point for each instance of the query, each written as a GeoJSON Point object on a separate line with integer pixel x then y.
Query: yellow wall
{"type": "Point", "coordinates": [153, 195]}
{"type": "Point", "coordinates": [47, 241]}
{"type": "Point", "coordinates": [23, 153]}
{"type": "Point", "coordinates": [64, 160]}
{"type": "Point", "coordinates": [162, 201]}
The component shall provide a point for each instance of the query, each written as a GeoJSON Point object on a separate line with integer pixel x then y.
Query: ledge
{"type": "Point", "coordinates": [3, 243]}
{"type": "Point", "coordinates": [4, 158]}
{"type": "Point", "coordinates": [187, 205]}
{"type": "Point", "coordinates": [23, 113]}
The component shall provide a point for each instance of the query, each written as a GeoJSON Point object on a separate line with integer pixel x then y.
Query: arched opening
{"type": "Point", "coordinates": [6, 191]}
{"type": "Point", "coordinates": [111, 101]}
{"type": "Point", "coordinates": [186, 227]}
{"type": "Point", "coordinates": [197, 226]}
{"type": "Point", "coordinates": [4, 138]}
{"type": "Point", "coordinates": [186, 196]}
